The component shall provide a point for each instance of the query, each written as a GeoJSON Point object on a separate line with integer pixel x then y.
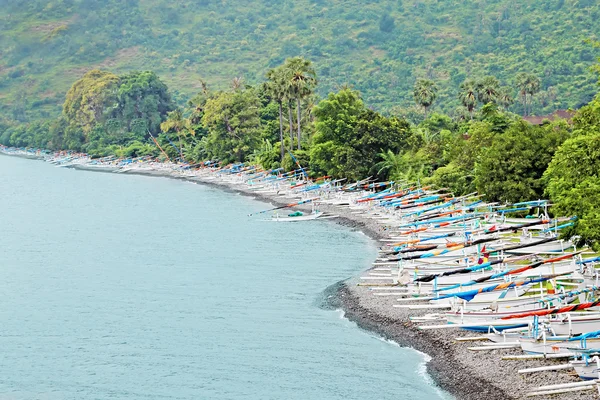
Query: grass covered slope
{"type": "Point", "coordinates": [379, 47]}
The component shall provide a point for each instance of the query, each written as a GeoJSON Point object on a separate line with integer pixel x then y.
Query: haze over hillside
{"type": "Point", "coordinates": [378, 47]}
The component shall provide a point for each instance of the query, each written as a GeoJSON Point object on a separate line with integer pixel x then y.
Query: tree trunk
{"type": "Point", "coordinates": [181, 150]}
{"type": "Point", "coordinates": [291, 117]}
{"type": "Point", "coordinates": [281, 148]}
{"type": "Point", "coordinates": [180, 147]}
{"type": "Point", "coordinates": [298, 114]}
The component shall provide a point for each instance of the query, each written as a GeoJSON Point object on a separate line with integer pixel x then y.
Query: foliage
{"type": "Point", "coordinates": [232, 120]}
{"type": "Point", "coordinates": [379, 47]}
{"type": "Point", "coordinates": [528, 85]}
{"type": "Point", "coordinates": [299, 80]}
{"type": "Point", "coordinates": [350, 138]}
{"type": "Point", "coordinates": [468, 95]}
{"type": "Point", "coordinates": [511, 168]}
{"type": "Point", "coordinates": [143, 102]}
{"type": "Point", "coordinates": [175, 122]}
{"type": "Point", "coordinates": [425, 93]}
{"type": "Point", "coordinates": [573, 176]}
{"type": "Point", "coordinates": [91, 99]}
{"type": "Point", "coordinates": [267, 156]}
{"type": "Point", "coordinates": [482, 146]}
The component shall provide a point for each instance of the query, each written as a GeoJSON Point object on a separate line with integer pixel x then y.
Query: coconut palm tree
{"type": "Point", "coordinates": [425, 93]}
{"type": "Point", "coordinates": [468, 95]}
{"type": "Point", "coordinates": [302, 80]}
{"type": "Point", "coordinates": [391, 164]}
{"type": "Point", "coordinates": [487, 90]}
{"type": "Point", "coordinates": [276, 87]}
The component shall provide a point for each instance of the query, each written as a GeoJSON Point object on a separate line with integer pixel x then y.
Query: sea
{"type": "Point", "coordinates": [116, 286]}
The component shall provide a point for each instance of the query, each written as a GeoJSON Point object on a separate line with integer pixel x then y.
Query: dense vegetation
{"type": "Point", "coordinates": [280, 123]}
{"type": "Point", "coordinates": [380, 48]}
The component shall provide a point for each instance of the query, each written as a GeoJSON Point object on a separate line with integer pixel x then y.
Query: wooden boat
{"type": "Point", "coordinates": [587, 368]}
{"type": "Point", "coordinates": [558, 344]}
{"type": "Point", "coordinates": [298, 216]}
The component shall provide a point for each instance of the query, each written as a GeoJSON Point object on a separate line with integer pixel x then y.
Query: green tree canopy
{"type": "Point", "coordinates": [573, 176]}
{"type": "Point", "coordinates": [511, 168]}
{"type": "Point", "coordinates": [91, 99]}
{"type": "Point", "coordinates": [350, 139]}
{"type": "Point", "coordinates": [468, 95]}
{"type": "Point", "coordinates": [143, 99]}
{"type": "Point", "coordinates": [233, 123]}
{"type": "Point", "coordinates": [528, 85]}
{"type": "Point", "coordinates": [301, 80]}
{"type": "Point", "coordinates": [425, 93]}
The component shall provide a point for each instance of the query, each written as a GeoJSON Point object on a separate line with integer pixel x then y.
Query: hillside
{"type": "Point", "coordinates": [378, 47]}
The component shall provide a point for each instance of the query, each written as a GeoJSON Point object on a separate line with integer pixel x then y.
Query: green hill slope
{"type": "Point", "coordinates": [378, 47]}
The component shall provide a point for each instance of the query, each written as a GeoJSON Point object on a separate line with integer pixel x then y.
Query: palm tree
{"type": "Point", "coordinates": [302, 80]}
{"type": "Point", "coordinates": [425, 93]}
{"type": "Point", "coordinates": [236, 83]}
{"type": "Point", "coordinates": [468, 95]}
{"type": "Point", "coordinates": [505, 98]}
{"type": "Point", "coordinates": [487, 90]}
{"type": "Point", "coordinates": [528, 85]}
{"type": "Point", "coordinates": [533, 88]}
{"type": "Point", "coordinates": [460, 114]}
{"type": "Point", "coordinates": [277, 89]}
{"type": "Point", "coordinates": [176, 122]}
{"type": "Point", "coordinates": [290, 107]}
{"type": "Point", "coordinates": [392, 164]}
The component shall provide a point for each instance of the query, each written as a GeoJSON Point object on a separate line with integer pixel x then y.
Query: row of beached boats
{"type": "Point", "coordinates": [461, 263]}
{"type": "Point", "coordinates": [502, 271]}
{"type": "Point", "coordinates": [452, 262]}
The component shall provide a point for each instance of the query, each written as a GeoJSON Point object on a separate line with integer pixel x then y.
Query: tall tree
{"type": "Point", "coordinates": [529, 85]}
{"type": "Point", "coordinates": [573, 176]}
{"type": "Point", "coordinates": [512, 166]}
{"type": "Point", "coordinates": [468, 95]}
{"type": "Point", "coordinates": [233, 123]}
{"type": "Point", "coordinates": [505, 98]}
{"type": "Point", "coordinates": [91, 99]}
{"type": "Point", "coordinates": [277, 89]}
{"type": "Point", "coordinates": [488, 90]}
{"type": "Point", "coordinates": [425, 93]}
{"type": "Point", "coordinates": [143, 97]}
{"type": "Point", "coordinates": [302, 80]}
{"type": "Point", "coordinates": [176, 122]}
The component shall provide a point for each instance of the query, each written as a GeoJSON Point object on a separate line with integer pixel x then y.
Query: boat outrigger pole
{"type": "Point", "coordinates": [158, 145]}
{"type": "Point", "coordinates": [285, 206]}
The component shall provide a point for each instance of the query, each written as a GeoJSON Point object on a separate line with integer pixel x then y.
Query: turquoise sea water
{"type": "Point", "coordinates": [128, 287]}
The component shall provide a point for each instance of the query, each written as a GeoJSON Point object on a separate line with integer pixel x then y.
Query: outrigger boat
{"type": "Point", "coordinates": [298, 216]}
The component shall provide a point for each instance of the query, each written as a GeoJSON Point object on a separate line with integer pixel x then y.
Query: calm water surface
{"type": "Point", "coordinates": [129, 287]}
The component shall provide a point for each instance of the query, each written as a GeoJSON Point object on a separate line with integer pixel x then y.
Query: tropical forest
{"type": "Point", "coordinates": [495, 96]}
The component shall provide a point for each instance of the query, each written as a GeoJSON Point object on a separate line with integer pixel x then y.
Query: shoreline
{"type": "Point", "coordinates": [344, 295]}
{"type": "Point", "coordinates": [453, 368]}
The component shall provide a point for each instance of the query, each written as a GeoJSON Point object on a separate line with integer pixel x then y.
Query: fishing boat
{"type": "Point", "coordinates": [587, 368]}
{"type": "Point", "coordinates": [297, 216]}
